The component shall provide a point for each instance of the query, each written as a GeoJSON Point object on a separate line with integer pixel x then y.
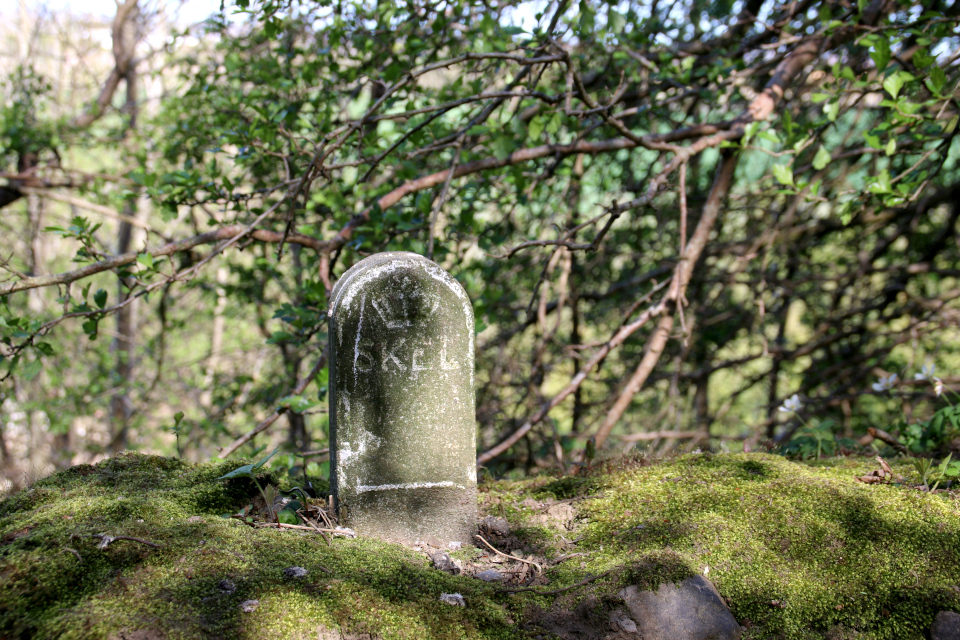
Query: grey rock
{"type": "Point", "coordinates": [621, 621]}
{"type": "Point", "coordinates": [249, 606]}
{"type": "Point", "coordinates": [295, 572]}
{"type": "Point", "coordinates": [489, 575]}
{"type": "Point", "coordinates": [227, 586]}
{"type": "Point", "coordinates": [946, 626]}
{"type": "Point", "coordinates": [444, 562]}
{"type": "Point", "coordinates": [495, 526]}
{"type": "Point", "coordinates": [692, 610]}
{"type": "Point", "coordinates": [403, 432]}
{"type": "Point", "coordinates": [453, 598]}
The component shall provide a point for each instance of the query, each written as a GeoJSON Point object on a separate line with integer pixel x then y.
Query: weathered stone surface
{"type": "Point", "coordinates": [443, 562]}
{"type": "Point", "coordinates": [403, 435]}
{"type": "Point", "coordinates": [692, 610]}
{"type": "Point", "coordinates": [494, 526]}
{"type": "Point", "coordinates": [489, 575]}
{"type": "Point", "coordinates": [946, 626]}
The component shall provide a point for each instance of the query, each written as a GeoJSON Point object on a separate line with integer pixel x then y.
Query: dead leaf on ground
{"type": "Point", "coordinates": [879, 476]}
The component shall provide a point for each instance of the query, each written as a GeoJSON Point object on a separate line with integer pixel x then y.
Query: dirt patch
{"type": "Point", "coordinates": [552, 514]}
{"type": "Point", "coordinates": [594, 618]}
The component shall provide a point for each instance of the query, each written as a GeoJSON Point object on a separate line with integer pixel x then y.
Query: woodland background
{"type": "Point", "coordinates": [671, 216]}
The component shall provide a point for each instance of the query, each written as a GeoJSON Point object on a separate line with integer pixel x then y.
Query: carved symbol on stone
{"type": "Point", "coordinates": [390, 355]}
{"type": "Point", "coordinates": [444, 363]}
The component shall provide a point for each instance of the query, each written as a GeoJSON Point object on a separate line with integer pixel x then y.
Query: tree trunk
{"type": "Point", "coordinates": [124, 342]}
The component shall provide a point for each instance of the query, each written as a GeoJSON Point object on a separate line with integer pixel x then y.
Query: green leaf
{"type": "Point", "coordinates": [881, 184]}
{"type": "Point", "coordinates": [822, 158]}
{"type": "Point", "coordinates": [881, 52]}
{"type": "Point", "coordinates": [177, 417]}
{"type": "Point", "coordinates": [245, 470]}
{"type": "Point", "coordinates": [936, 80]}
{"type": "Point", "coordinates": [922, 59]}
{"type": "Point", "coordinates": [784, 174]}
{"type": "Point", "coordinates": [872, 139]}
{"type": "Point", "coordinates": [553, 125]}
{"type": "Point", "coordinates": [535, 128]}
{"type": "Point", "coordinates": [831, 109]}
{"type": "Point", "coordinates": [586, 23]}
{"type": "Point", "coordinates": [31, 370]}
{"type": "Point", "coordinates": [90, 328]}
{"type": "Point", "coordinates": [145, 259]}
{"type": "Point", "coordinates": [297, 404]}
{"type": "Point", "coordinates": [893, 84]}
{"type": "Point", "coordinates": [288, 516]}
{"type": "Point", "coordinates": [770, 135]}
{"type": "Point", "coordinates": [502, 147]}
{"type": "Point", "coordinates": [263, 461]}
{"type": "Point", "coordinates": [100, 297]}
{"type": "Point", "coordinates": [891, 147]}
{"type": "Point", "coordinates": [45, 348]}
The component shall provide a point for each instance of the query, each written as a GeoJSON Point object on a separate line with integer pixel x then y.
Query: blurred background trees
{"type": "Point", "coordinates": [670, 218]}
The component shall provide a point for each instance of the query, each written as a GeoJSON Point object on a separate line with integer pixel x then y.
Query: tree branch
{"type": "Point", "coordinates": [217, 235]}
{"type": "Point", "coordinates": [265, 424]}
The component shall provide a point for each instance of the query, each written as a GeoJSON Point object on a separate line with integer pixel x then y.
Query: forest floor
{"type": "Point", "coordinates": [797, 550]}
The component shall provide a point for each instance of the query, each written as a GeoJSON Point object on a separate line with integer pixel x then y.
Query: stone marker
{"type": "Point", "coordinates": [402, 422]}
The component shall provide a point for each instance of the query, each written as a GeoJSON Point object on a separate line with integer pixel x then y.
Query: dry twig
{"type": "Point", "coordinates": [506, 555]}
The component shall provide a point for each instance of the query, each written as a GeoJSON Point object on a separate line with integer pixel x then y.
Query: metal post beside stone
{"type": "Point", "coordinates": [402, 422]}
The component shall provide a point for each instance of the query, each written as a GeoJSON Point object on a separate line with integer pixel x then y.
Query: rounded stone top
{"type": "Point", "coordinates": [389, 262]}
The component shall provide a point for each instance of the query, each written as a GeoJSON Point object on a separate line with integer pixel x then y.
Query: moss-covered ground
{"type": "Point", "coordinates": [797, 550]}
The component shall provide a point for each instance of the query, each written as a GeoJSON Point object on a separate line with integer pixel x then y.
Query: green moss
{"type": "Point", "coordinates": [800, 551]}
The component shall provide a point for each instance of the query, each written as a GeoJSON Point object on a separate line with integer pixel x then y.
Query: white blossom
{"type": "Point", "coordinates": [885, 384]}
{"type": "Point", "coordinates": [791, 404]}
{"type": "Point", "coordinates": [926, 373]}
{"type": "Point", "coordinates": [938, 386]}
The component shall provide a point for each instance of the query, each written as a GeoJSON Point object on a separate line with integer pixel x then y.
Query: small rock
{"type": "Point", "coordinates": [495, 526]}
{"type": "Point", "coordinates": [946, 626]}
{"type": "Point", "coordinates": [443, 562]}
{"type": "Point", "coordinates": [195, 519]}
{"type": "Point", "coordinates": [249, 606]}
{"type": "Point", "coordinates": [344, 531]}
{"type": "Point", "coordinates": [619, 620]}
{"type": "Point", "coordinates": [692, 610]}
{"type": "Point", "coordinates": [453, 598]}
{"type": "Point", "coordinates": [455, 545]}
{"type": "Point", "coordinates": [227, 586]}
{"type": "Point", "coordinates": [489, 575]}
{"type": "Point", "coordinates": [295, 572]}
{"type": "Point", "coordinates": [433, 542]}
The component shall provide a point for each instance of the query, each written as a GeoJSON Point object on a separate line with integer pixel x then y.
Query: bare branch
{"type": "Point", "coordinates": [224, 233]}
{"type": "Point", "coordinates": [265, 424]}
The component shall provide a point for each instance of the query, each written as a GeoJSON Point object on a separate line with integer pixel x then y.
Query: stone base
{"type": "Point", "coordinates": [412, 515]}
